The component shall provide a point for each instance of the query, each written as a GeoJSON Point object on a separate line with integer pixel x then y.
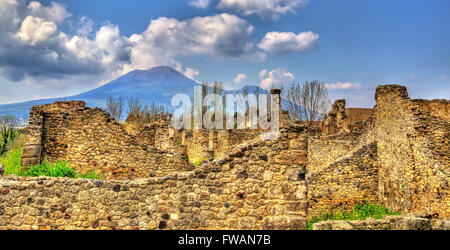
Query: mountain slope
{"type": "Point", "coordinates": [157, 85]}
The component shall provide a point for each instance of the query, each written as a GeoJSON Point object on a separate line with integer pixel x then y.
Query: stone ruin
{"type": "Point", "coordinates": [398, 157]}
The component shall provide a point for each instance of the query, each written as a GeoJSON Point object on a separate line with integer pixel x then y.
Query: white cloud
{"type": "Point", "coordinates": [32, 44]}
{"type": "Point", "coordinates": [344, 85]}
{"type": "Point", "coordinates": [240, 78]}
{"type": "Point", "coordinates": [443, 77]}
{"type": "Point", "coordinates": [201, 4]}
{"type": "Point", "coordinates": [284, 42]}
{"type": "Point", "coordinates": [272, 9]}
{"type": "Point", "coordinates": [191, 73]}
{"type": "Point", "coordinates": [85, 26]}
{"type": "Point", "coordinates": [36, 30]}
{"type": "Point", "coordinates": [36, 52]}
{"type": "Point", "coordinates": [275, 78]}
{"type": "Point", "coordinates": [55, 12]}
{"type": "Point", "coordinates": [220, 35]}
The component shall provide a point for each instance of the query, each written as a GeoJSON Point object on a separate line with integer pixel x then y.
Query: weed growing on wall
{"type": "Point", "coordinates": [361, 211]}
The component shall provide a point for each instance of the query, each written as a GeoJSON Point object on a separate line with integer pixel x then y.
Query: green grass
{"type": "Point", "coordinates": [57, 169]}
{"type": "Point", "coordinates": [12, 165]}
{"type": "Point", "coordinates": [199, 162]}
{"type": "Point", "coordinates": [89, 175]}
{"type": "Point", "coordinates": [361, 211]}
{"type": "Point", "coordinates": [11, 161]}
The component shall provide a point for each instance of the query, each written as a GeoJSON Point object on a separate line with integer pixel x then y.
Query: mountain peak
{"type": "Point", "coordinates": [159, 70]}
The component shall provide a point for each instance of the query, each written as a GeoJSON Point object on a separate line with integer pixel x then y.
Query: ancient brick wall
{"type": "Point", "coordinates": [258, 185]}
{"type": "Point", "coordinates": [437, 108]}
{"type": "Point", "coordinates": [226, 139]}
{"type": "Point", "coordinates": [344, 120]}
{"type": "Point", "coordinates": [89, 139]}
{"type": "Point", "coordinates": [344, 183]}
{"type": "Point", "coordinates": [197, 144]}
{"type": "Point", "coordinates": [413, 148]}
{"type": "Point", "coordinates": [399, 158]}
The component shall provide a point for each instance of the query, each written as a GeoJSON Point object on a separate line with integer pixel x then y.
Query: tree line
{"type": "Point", "coordinates": [307, 102]}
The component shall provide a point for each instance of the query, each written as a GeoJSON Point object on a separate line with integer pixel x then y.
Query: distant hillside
{"type": "Point", "coordinates": [156, 85]}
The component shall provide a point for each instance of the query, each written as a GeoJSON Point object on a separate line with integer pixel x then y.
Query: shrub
{"type": "Point", "coordinates": [57, 169]}
{"type": "Point", "coordinates": [6, 137]}
{"type": "Point", "coordinates": [361, 211]}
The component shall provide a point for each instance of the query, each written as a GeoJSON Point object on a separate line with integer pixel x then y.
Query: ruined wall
{"type": "Point", "coordinates": [197, 144]}
{"type": "Point", "coordinates": [357, 114]}
{"type": "Point", "coordinates": [399, 158]}
{"type": "Point", "coordinates": [437, 108]}
{"type": "Point", "coordinates": [208, 144]}
{"type": "Point", "coordinates": [344, 120]}
{"type": "Point", "coordinates": [226, 139]}
{"type": "Point", "coordinates": [414, 153]}
{"type": "Point", "coordinates": [393, 222]}
{"type": "Point", "coordinates": [258, 185]}
{"type": "Point", "coordinates": [344, 183]}
{"type": "Point", "coordinates": [89, 139]}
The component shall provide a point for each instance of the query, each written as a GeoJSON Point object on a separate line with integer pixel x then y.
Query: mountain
{"type": "Point", "coordinates": [156, 85]}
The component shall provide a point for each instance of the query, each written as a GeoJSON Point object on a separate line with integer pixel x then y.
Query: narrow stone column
{"type": "Point", "coordinates": [32, 152]}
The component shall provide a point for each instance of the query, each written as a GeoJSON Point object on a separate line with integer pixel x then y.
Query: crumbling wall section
{"type": "Point", "coordinates": [258, 185]}
{"type": "Point", "coordinates": [90, 139]}
{"type": "Point", "coordinates": [413, 152]}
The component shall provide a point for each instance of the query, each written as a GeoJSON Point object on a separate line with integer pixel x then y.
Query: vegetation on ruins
{"type": "Point", "coordinates": [140, 114]}
{"type": "Point", "coordinates": [57, 169]}
{"type": "Point", "coordinates": [8, 132]}
{"type": "Point", "coordinates": [308, 102]}
{"type": "Point", "coordinates": [115, 107]}
{"type": "Point", "coordinates": [11, 162]}
{"type": "Point", "coordinates": [361, 211]}
{"type": "Point", "coordinates": [12, 143]}
{"type": "Point", "coordinates": [199, 162]}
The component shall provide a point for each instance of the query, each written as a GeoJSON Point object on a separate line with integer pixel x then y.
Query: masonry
{"type": "Point", "coordinates": [398, 157]}
{"type": "Point", "coordinates": [90, 139]}
{"type": "Point", "coordinates": [257, 185]}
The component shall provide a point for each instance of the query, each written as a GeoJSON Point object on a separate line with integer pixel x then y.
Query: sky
{"type": "Point", "coordinates": [62, 48]}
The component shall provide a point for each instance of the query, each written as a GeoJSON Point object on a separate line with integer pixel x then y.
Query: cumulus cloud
{"type": "Point", "coordinates": [85, 26]}
{"type": "Point", "coordinates": [285, 42]}
{"type": "Point", "coordinates": [220, 35]}
{"type": "Point", "coordinates": [55, 12]}
{"type": "Point", "coordinates": [201, 4]}
{"type": "Point", "coordinates": [275, 78]}
{"type": "Point", "coordinates": [272, 9]}
{"type": "Point", "coordinates": [344, 85]}
{"type": "Point", "coordinates": [240, 78]}
{"type": "Point", "coordinates": [36, 30]}
{"type": "Point", "coordinates": [32, 43]}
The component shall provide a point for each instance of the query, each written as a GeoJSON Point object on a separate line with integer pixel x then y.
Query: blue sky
{"type": "Point", "coordinates": [60, 48]}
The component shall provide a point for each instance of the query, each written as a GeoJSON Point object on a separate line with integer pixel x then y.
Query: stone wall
{"type": "Point", "coordinates": [400, 158]}
{"type": "Point", "coordinates": [197, 144]}
{"type": "Point", "coordinates": [89, 139]}
{"type": "Point", "coordinates": [413, 148]}
{"type": "Point", "coordinates": [387, 223]}
{"type": "Point", "coordinates": [344, 120]}
{"type": "Point", "coordinates": [258, 185]}
{"type": "Point", "coordinates": [345, 183]}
